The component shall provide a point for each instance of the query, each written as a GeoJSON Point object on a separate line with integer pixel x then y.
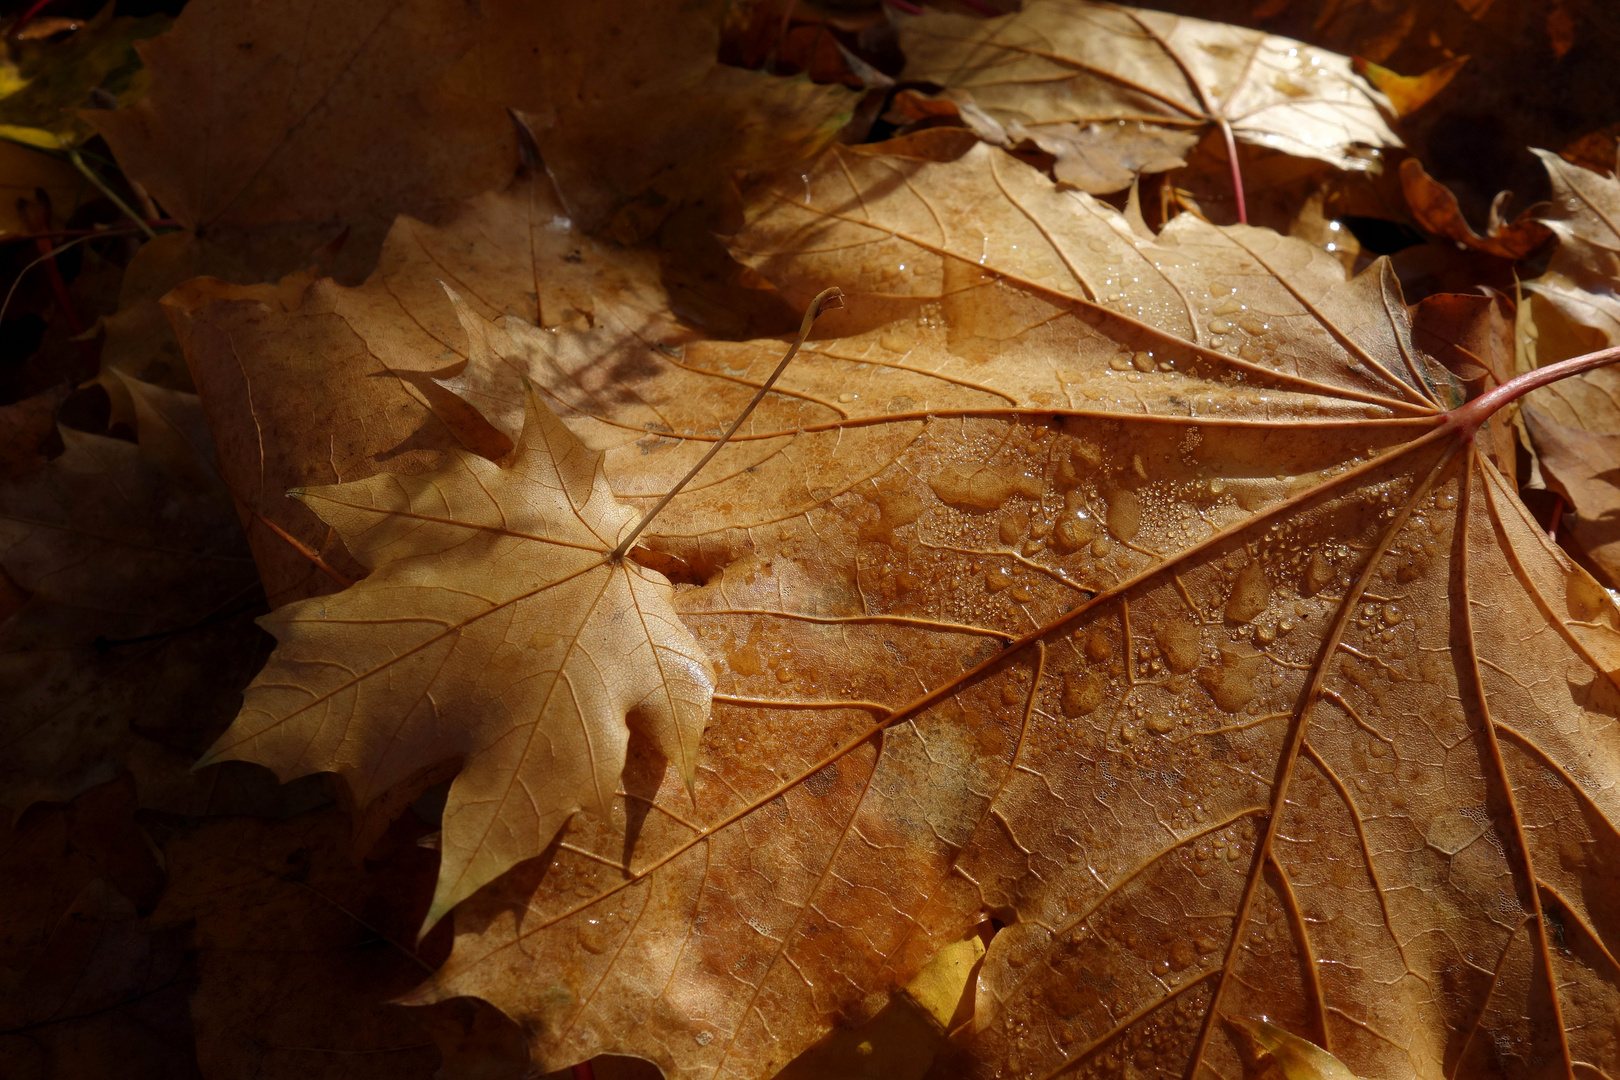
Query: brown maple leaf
{"type": "Point", "coordinates": [496, 628]}
{"type": "Point", "coordinates": [1068, 73]}
{"type": "Point", "coordinates": [1580, 278]}
{"type": "Point", "coordinates": [106, 995]}
{"type": "Point", "coordinates": [1147, 597]}
{"type": "Point", "coordinates": [1254, 748]}
{"type": "Point", "coordinates": [297, 949]}
{"type": "Point", "coordinates": [263, 138]}
{"type": "Point", "coordinates": [375, 350]}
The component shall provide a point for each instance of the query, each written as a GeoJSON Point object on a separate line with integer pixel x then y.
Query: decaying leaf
{"type": "Point", "coordinates": [1581, 277]}
{"type": "Point", "coordinates": [106, 997]}
{"type": "Point", "coordinates": [1059, 67]}
{"type": "Point", "coordinates": [633, 114]}
{"type": "Point", "coordinates": [1145, 597]}
{"type": "Point", "coordinates": [251, 119]}
{"type": "Point", "coordinates": [238, 887]}
{"type": "Point", "coordinates": [1575, 424]}
{"type": "Point", "coordinates": [263, 138]}
{"type": "Point", "coordinates": [1581, 462]}
{"type": "Point", "coordinates": [130, 590]}
{"type": "Point", "coordinates": [22, 172]}
{"type": "Point", "coordinates": [494, 629]}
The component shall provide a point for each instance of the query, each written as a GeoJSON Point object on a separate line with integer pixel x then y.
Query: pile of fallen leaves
{"type": "Point", "coordinates": [1159, 625]}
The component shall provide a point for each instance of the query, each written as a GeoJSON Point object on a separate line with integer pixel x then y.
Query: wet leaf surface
{"type": "Point", "coordinates": [1114, 646]}
{"type": "Point", "coordinates": [1089, 608]}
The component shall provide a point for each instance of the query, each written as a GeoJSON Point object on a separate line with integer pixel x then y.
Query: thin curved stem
{"type": "Point", "coordinates": [51, 254]}
{"type": "Point", "coordinates": [305, 550]}
{"type": "Point", "coordinates": [1469, 416]}
{"type": "Point", "coordinates": [1237, 170]}
{"type": "Point", "coordinates": [101, 185]}
{"type": "Point", "coordinates": [826, 298]}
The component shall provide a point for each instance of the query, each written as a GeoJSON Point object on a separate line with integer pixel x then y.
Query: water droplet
{"type": "Point", "coordinates": [595, 935]}
{"type": "Point", "coordinates": [1124, 514]}
{"type": "Point", "coordinates": [1251, 593]}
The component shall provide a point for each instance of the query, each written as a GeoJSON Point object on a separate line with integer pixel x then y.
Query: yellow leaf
{"type": "Point", "coordinates": [942, 987]}
{"type": "Point", "coordinates": [1296, 1058]}
{"type": "Point", "coordinates": [31, 136]}
{"type": "Point", "coordinates": [900, 1042]}
{"type": "Point", "coordinates": [1409, 93]}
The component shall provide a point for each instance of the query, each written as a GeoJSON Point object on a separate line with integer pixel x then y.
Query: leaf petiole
{"type": "Point", "coordinates": [1237, 170]}
{"type": "Point", "coordinates": [101, 185]}
{"type": "Point", "coordinates": [1470, 415]}
{"type": "Point", "coordinates": [826, 298]}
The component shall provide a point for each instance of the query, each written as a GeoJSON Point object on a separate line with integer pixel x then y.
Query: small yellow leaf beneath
{"type": "Point", "coordinates": [1295, 1058]}
{"type": "Point", "coordinates": [900, 1042]}
{"type": "Point", "coordinates": [941, 987]}
{"type": "Point", "coordinates": [31, 136]}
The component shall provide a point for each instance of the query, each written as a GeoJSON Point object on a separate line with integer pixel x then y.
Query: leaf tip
{"type": "Point", "coordinates": [436, 911]}
{"type": "Point", "coordinates": [455, 297]}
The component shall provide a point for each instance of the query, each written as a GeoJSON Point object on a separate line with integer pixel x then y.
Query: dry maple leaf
{"type": "Point", "coordinates": [494, 629]}
{"type": "Point", "coordinates": [1584, 214]}
{"type": "Point", "coordinates": [1255, 748]}
{"type": "Point", "coordinates": [297, 949]}
{"type": "Point", "coordinates": [1580, 460]}
{"type": "Point", "coordinates": [105, 997]}
{"type": "Point", "coordinates": [252, 119]}
{"type": "Point", "coordinates": [1575, 424]}
{"type": "Point", "coordinates": [1436, 209]}
{"type": "Point", "coordinates": [263, 138]}
{"type": "Point", "coordinates": [1058, 67]}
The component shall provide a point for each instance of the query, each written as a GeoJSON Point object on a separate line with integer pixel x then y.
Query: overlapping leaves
{"type": "Point", "coordinates": [1135, 593]}
{"type": "Point", "coordinates": [494, 631]}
